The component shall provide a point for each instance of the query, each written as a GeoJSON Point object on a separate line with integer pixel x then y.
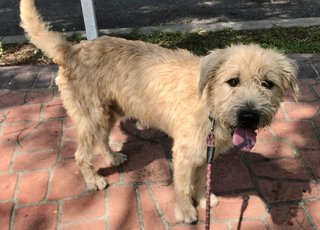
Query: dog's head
{"type": "Point", "coordinates": [244, 85]}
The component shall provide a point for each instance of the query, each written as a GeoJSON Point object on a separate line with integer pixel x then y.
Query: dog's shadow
{"type": "Point", "coordinates": [280, 183]}
{"type": "Point", "coordinates": [148, 152]}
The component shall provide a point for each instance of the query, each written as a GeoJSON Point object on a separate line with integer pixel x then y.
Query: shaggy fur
{"type": "Point", "coordinates": [109, 77]}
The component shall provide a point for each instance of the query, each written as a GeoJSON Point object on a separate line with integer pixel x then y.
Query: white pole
{"type": "Point", "coordinates": [89, 17]}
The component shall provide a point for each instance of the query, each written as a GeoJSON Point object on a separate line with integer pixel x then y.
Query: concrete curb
{"type": "Point", "coordinates": [207, 25]}
{"type": "Point", "coordinates": [194, 26]}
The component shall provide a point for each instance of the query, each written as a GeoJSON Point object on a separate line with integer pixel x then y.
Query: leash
{"type": "Point", "coordinates": [210, 155]}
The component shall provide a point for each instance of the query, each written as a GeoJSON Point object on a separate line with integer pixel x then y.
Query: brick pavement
{"type": "Point", "coordinates": [275, 186]}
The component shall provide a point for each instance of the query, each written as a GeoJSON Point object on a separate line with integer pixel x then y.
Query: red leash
{"type": "Point", "coordinates": [210, 154]}
{"type": "Point", "coordinates": [209, 168]}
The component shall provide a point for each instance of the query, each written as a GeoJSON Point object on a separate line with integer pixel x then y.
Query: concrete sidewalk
{"type": "Point", "coordinates": [275, 186]}
{"type": "Point", "coordinates": [166, 15]}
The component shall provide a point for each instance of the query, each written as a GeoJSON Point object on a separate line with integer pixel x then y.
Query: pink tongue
{"type": "Point", "coordinates": [244, 138]}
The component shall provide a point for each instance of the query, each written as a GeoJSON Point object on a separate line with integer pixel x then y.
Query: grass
{"type": "Point", "coordinates": [286, 40]}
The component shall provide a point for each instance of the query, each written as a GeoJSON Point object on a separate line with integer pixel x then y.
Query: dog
{"type": "Point", "coordinates": [241, 86]}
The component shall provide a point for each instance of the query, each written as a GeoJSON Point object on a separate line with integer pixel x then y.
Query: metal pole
{"type": "Point", "coordinates": [89, 17]}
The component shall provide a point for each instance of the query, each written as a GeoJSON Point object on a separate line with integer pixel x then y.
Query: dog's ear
{"type": "Point", "coordinates": [209, 65]}
{"type": "Point", "coordinates": [289, 73]}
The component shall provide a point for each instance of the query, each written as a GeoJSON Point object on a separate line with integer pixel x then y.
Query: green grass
{"type": "Point", "coordinates": [287, 40]}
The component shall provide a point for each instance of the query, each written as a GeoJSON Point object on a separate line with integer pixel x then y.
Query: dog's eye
{"type": "Point", "coordinates": [233, 82]}
{"type": "Point", "coordinates": [267, 84]}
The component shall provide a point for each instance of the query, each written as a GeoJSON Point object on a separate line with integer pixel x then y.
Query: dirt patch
{"type": "Point", "coordinates": [22, 54]}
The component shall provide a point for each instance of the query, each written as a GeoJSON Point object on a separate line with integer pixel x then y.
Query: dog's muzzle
{"type": "Point", "coordinates": [244, 135]}
{"type": "Point", "coordinates": [248, 119]}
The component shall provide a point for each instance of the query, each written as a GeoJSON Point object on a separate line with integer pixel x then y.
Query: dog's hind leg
{"type": "Point", "coordinates": [86, 141]}
{"type": "Point", "coordinates": [114, 158]}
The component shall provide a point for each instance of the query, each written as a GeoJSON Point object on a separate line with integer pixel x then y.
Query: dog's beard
{"type": "Point", "coordinates": [244, 137]}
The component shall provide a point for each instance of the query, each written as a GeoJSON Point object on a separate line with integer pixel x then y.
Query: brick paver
{"type": "Point", "coordinates": [275, 186]}
{"type": "Point", "coordinates": [91, 206]}
{"type": "Point", "coordinates": [6, 153]}
{"type": "Point", "coordinates": [32, 187]}
{"type": "Point", "coordinates": [95, 224]}
{"type": "Point", "coordinates": [5, 211]}
{"type": "Point", "coordinates": [313, 208]}
{"type": "Point", "coordinates": [37, 217]}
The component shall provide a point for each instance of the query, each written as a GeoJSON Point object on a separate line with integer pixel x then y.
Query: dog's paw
{"type": "Point", "coordinates": [118, 158]}
{"type": "Point", "coordinates": [213, 201]}
{"type": "Point", "coordinates": [188, 214]}
{"type": "Point", "coordinates": [97, 183]}
{"type": "Point", "coordinates": [115, 145]}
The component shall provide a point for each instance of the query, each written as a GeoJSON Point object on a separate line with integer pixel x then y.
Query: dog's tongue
{"type": "Point", "coordinates": [244, 138]}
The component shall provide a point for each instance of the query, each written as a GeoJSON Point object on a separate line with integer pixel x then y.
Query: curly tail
{"type": "Point", "coordinates": [50, 42]}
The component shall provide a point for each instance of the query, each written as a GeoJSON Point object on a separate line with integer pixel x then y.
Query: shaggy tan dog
{"type": "Point", "coordinates": [109, 77]}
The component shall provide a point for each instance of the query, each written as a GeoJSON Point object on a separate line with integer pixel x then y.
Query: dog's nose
{"type": "Point", "coordinates": [248, 118]}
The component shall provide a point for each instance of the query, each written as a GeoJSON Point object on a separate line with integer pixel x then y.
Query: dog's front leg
{"type": "Point", "coordinates": [200, 188]}
{"type": "Point", "coordinates": [184, 169]}
{"type": "Point", "coordinates": [221, 145]}
{"type": "Point", "coordinates": [185, 210]}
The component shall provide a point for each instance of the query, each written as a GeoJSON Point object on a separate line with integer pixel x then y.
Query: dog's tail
{"type": "Point", "coordinates": [50, 42]}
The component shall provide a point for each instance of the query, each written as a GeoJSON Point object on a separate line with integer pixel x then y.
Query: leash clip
{"type": "Point", "coordinates": [212, 121]}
